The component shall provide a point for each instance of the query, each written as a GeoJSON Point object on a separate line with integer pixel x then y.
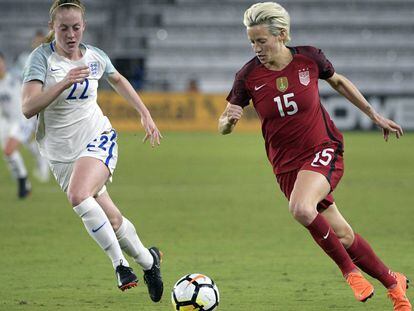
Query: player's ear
{"type": "Point", "coordinates": [283, 35]}
{"type": "Point", "coordinates": [50, 25]}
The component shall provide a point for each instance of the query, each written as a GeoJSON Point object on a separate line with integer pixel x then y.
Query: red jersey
{"type": "Point", "coordinates": [287, 102]}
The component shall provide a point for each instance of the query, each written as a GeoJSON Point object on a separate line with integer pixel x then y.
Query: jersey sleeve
{"type": "Point", "coordinates": [326, 69]}
{"type": "Point", "coordinates": [108, 67]}
{"type": "Point", "coordinates": [36, 66]}
{"type": "Point", "coordinates": [239, 95]}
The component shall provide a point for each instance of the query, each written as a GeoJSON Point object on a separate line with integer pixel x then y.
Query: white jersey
{"type": "Point", "coordinates": [10, 93]}
{"type": "Point", "coordinates": [74, 118]}
{"type": "Point", "coordinates": [12, 121]}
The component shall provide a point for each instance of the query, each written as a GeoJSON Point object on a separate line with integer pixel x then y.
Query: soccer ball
{"type": "Point", "coordinates": [195, 292]}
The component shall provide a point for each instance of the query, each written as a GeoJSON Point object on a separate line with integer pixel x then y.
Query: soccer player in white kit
{"type": "Point", "coordinates": [60, 86]}
{"type": "Point", "coordinates": [16, 130]}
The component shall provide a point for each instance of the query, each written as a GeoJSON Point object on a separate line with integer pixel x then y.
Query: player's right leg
{"type": "Point", "coordinates": [148, 258]}
{"type": "Point", "coordinates": [17, 166]}
{"type": "Point", "coordinates": [88, 176]}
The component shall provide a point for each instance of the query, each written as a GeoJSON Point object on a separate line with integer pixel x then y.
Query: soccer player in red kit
{"type": "Point", "coordinates": [303, 145]}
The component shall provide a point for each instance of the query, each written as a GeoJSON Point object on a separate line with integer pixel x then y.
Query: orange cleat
{"type": "Point", "coordinates": [397, 294]}
{"type": "Point", "coordinates": [363, 290]}
{"type": "Point", "coordinates": [401, 280]}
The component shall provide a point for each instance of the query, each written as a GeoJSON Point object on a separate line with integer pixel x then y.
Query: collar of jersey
{"type": "Point", "coordinates": [82, 47]}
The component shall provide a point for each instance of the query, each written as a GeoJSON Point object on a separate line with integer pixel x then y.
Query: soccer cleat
{"type": "Point", "coordinates": [125, 277]}
{"type": "Point", "coordinates": [363, 290]}
{"type": "Point", "coordinates": [24, 187]}
{"type": "Point", "coordinates": [401, 280]}
{"type": "Point", "coordinates": [399, 299]}
{"type": "Point", "coordinates": [152, 277]}
{"type": "Point", "coordinates": [397, 294]}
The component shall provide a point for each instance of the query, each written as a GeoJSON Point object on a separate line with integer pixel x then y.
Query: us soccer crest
{"type": "Point", "coordinates": [304, 77]}
{"type": "Point", "coordinates": [93, 68]}
{"type": "Point", "coordinates": [282, 83]}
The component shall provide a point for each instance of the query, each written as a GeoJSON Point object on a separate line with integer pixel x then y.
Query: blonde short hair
{"type": "Point", "coordinates": [271, 14]}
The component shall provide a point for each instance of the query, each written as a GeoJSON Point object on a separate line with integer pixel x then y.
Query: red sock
{"type": "Point", "coordinates": [364, 257]}
{"type": "Point", "coordinates": [323, 234]}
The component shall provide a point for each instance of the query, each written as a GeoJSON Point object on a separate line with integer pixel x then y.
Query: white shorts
{"type": "Point", "coordinates": [104, 148]}
{"type": "Point", "coordinates": [22, 131]}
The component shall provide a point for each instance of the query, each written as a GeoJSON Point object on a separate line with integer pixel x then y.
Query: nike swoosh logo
{"type": "Point", "coordinates": [54, 69]}
{"type": "Point", "coordinates": [95, 230]}
{"type": "Point", "coordinates": [256, 88]}
{"type": "Point", "coordinates": [326, 236]}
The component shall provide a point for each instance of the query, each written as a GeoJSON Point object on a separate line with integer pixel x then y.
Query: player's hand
{"type": "Point", "coordinates": [76, 75]}
{"type": "Point", "coordinates": [388, 126]}
{"type": "Point", "coordinates": [151, 131]}
{"type": "Point", "coordinates": [234, 113]}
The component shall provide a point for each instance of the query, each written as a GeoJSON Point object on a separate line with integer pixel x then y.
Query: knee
{"type": "Point", "coordinates": [303, 212]}
{"type": "Point", "coordinates": [76, 197]}
{"type": "Point", "coordinates": [7, 152]}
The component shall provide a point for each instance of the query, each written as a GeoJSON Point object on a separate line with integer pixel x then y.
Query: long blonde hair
{"type": "Point", "coordinates": [57, 4]}
{"type": "Point", "coordinates": [271, 14]}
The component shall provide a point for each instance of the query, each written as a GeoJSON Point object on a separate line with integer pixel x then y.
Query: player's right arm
{"type": "Point", "coordinates": [229, 118]}
{"type": "Point", "coordinates": [239, 95]}
{"type": "Point", "coordinates": [35, 98]}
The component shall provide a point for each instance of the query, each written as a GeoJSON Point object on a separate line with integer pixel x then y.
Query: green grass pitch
{"type": "Point", "coordinates": [212, 205]}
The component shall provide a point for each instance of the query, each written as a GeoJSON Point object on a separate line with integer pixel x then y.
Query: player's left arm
{"type": "Point", "coordinates": [122, 86]}
{"type": "Point", "coordinates": [347, 89]}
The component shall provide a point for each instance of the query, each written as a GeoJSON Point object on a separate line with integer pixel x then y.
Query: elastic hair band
{"type": "Point", "coordinates": [66, 4]}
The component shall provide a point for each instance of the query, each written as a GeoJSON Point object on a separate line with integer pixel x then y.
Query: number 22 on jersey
{"type": "Point", "coordinates": [83, 95]}
{"type": "Point", "coordinates": [285, 105]}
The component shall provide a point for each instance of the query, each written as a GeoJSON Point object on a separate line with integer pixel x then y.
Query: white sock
{"type": "Point", "coordinates": [99, 228]}
{"type": "Point", "coordinates": [132, 245]}
{"type": "Point", "coordinates": [16, 164]}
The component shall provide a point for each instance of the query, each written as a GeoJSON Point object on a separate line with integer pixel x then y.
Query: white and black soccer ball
{"type": "Point", "coordinates": [195, 292]}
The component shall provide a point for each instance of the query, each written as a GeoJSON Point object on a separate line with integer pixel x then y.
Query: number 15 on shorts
{"type": "Point", "coordinates": [323, 157]}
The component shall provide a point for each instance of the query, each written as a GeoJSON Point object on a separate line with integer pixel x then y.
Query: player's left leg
{"type": "Point", "coordinates": [309, 189]}
{"type": "Point", "coordinates": [365, 258]}
{"type": "Point", "coordinates": [148, 259]}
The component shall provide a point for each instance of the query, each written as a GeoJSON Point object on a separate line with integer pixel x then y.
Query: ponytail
{"type": "Point", "coordinates": [50, 37]}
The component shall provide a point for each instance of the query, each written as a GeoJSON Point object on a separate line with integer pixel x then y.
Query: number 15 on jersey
{"type": "Point", "coordinates": [286, 105]}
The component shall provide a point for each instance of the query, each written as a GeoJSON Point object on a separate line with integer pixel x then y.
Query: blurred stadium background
{"type": "Point", "coordinates": [177, 45]}
{"type": "Point", "coordinates": [211, 202]}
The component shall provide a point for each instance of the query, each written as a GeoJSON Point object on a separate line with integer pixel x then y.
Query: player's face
{"type": "Point", "coordinates": [265, 45]}
{"type": "Point", "coordinates": [69, 26]}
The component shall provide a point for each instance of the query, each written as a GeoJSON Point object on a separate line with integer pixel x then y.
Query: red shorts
{"type": "Point", "coordinates": [327, 161]}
